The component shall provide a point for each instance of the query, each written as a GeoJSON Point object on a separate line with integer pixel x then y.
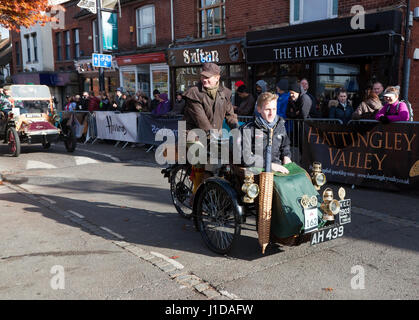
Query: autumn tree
{"type": "Point", "coordinates": [25, 13]}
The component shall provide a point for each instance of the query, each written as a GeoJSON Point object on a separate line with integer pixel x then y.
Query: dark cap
{"type": "Point", "coordinates": [282, 84]}
{"type": "Point", "coordinates": [242, 89]}
{"type": "Point", "coordinates": [210, 69]}
{"type": "Point", "coordinates": [120, 89]}
{"type": "Point", "coordinates": [155, 91]}
{"type": "Point", "coordinates": [295, 87]}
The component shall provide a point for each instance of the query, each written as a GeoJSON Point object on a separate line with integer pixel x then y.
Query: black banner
{"type": "Point", "coordinates": [365, 153]}
{"type": "Point", "coordinates": [148, 125]}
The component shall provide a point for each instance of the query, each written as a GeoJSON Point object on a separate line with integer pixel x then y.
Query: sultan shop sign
{"type": "Point", "coordinates": [355, 46]}
{"type": "Point", "coordinates": [385, 156]}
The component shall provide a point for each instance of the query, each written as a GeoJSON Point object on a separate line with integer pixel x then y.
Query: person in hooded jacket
{"type": "Point", "coordinates": [369, 107]}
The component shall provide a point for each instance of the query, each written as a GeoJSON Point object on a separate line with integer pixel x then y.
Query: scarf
{"type": "Point", "coordinates": [270, 126]}
{"type": "Point", "coordinates": [212, 92]}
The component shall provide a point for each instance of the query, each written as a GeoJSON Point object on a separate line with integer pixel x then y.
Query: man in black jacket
{"type": "Point", "coordinates": [299, 104]}
{"type": "Point", "coordinates": [264, 122]}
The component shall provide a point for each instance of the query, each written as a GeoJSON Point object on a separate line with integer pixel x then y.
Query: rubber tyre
{"type": "Point", "coordinates": [13, 141]}
{"type": "Point", "coordinates": [46, 145]}
{"type": "Point", "coordinates": [181, 188]}
{"type": "Point", "coordinates": [70, 141]}
{"type": "Point", "coordinates": [216, 211]}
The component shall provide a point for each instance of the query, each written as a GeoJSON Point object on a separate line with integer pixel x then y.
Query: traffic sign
{"type": "Point", "coordinates": [102, 60]}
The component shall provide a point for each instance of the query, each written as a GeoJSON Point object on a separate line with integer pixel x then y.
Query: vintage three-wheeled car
{"type": "Point", "coordinates": [30, 117]}
{"type": "Point", "coordinates": [289, 209]}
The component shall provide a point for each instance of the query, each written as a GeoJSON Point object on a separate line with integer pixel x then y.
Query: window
{"type": "Point", "coordinates": [35, 46]}
{"type": "Point", "coordinates": [67, 45]}
{"type": "Point", "coordinates": [18, 62]}
{"type": "Point", "coordinates": [312, 10]}
{"type": "Point", "coordinates": [58, 41]}
{"type": "Point", "coordinates": [146, 28]}
{"type": "Point", "coordinates": [76, 37]}
{"type": "Point", "coordinates": [28, 48]}
{"type": "Point", "coordinates": [211, 18]}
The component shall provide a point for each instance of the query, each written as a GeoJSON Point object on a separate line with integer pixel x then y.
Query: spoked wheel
{"type": "Point", "coordinates": [181, 188]}
{"type": "Point", "coordinates": [14, 142]}
{"type": "Point", "coordinates": [217, 218]}
{"type": "Point", "coordinates": [70, 141]}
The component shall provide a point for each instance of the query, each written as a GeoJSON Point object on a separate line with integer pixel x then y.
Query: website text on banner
{"type": "Point", "coordinates": [117, 126]}
{"type": "Point", "coordinates": [365, 153]}
{"type": "Point", "coordinates": [148, 125]}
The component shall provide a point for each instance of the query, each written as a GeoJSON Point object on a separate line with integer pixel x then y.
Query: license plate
{"type": "Point", "coordinates": [327, 234]}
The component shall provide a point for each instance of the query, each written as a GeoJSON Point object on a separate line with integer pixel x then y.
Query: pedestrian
{"type": "Point", "coordinates": [369, 107]}
{"type": "Point", "coordinates": [94, 102]}
{"type": "Point", "coordinates": [378, 89]}
{"type": "Point", "coordinates": [105, 103]}
{"type": "Point", "coordinates": [343, 110]}
{"type": "Point", "coordinates": [246, 107]}
{"type": "Point", "coordinates": [155, 102]}
{"type": "Point", "coordinates": [164, 105]}
{"type": "Point", "coordinates": [315, 109]}
{"type": "Point", "coordinates": [178, 105]}
{"type": "Point", "coordinates": [85, 101]}
{"type": "Point", "coordinates": [118, 104]}
{"type": "Point", "coordinates": [237, 99]}
{"type": "Point", "coordinates": [393, 110]}
{"type": "Point", "coordinates": [283, 97]}
{"type": "Point", "coordinates": [299, 104]}
{"type": "Point", "coordinates": [261, 87]}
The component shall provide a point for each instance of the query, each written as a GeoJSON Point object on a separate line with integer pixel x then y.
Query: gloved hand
{"type": "Point", "coordinates": [384, 120]}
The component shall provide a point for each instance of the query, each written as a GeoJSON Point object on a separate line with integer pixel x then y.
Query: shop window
{"type": "Point", "coordinates": [76, 37]}
{"type": "Point", "coordinates": [146, 28]}
{"type": "Point", "coordinates": [58, 42]}
{"type": "Point", "coordinates": [302, 11]}
{"type": "Point", "coordinates": [211, 18]}
{"type": "Point", "coordinates": [128, 81]}
{"type": "Point", "coordinates": [35, 46]}
{"type": "Point", "coordinates": [332, 76]}
{"type": "Point", "coordinates": [160, 80]}
{"type": "Point", "coordinates": [28, 48]}
{"type": "Point", "coordinates": [67, 45]}
{"type": "Point", "coordinates": [271, 73]}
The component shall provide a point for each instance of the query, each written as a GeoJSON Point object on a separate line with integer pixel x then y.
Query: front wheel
{"type": "Point", "coordinates": [181, 190]}
{"type": "Point", "coordinates": [217, 218]}
{"type": "Point", "coordinates": [14, 142]}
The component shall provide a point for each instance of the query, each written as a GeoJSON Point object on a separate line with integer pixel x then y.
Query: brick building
{"type": "Point", "coordinates": [250, 41]}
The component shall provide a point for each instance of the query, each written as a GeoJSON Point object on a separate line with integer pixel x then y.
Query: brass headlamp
{"type": "Point", "coordinates": [250, 188]}
{"type": "Point", "coordinates": [330, 206]}
{"type": "Point", "coordinates": [317, 176]}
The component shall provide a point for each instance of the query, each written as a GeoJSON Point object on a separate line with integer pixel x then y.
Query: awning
{"type": "Point", "coordinates": [144, 58]}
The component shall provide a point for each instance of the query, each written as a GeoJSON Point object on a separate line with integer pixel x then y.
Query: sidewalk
{"type": "Point", "coordinates": [40, 245]}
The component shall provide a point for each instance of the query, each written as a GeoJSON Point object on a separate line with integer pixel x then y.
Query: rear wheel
{"type": "Point", "coordinates": [70, 141]}
{"type": "Point", "coordinates": [217, 218]}
{"type": "Point", "coordinates": [181, 189]}
{"type": "Point", "coordinates": [14, 142]}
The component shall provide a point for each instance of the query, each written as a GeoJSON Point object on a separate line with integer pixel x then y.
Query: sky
{"type": "Point", "coordinates": [4, 32]}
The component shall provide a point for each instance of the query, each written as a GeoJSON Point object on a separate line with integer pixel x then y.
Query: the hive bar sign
{"type": "Point", "coordinates": [353, 46]}
{"type": "Point", "coordinates": [365, 154]}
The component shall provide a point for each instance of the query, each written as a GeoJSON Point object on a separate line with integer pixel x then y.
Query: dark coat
{"type": "Point", "coordinates": [205, 113]}
{"type": "Point", "coordinates": [280, 142]}
{"type": "Point", "coordinates": [247, 106]}
{"type": "Point", "coordinates": [344, 114]}
{"type": "Point", "coordinates": [299, 109]}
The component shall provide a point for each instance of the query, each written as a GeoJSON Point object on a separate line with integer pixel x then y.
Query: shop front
{"type": "Point", "coordinates": [144, 72]}
{"type": "Point", "coordinates": [89, 77]}
{"type": "Point", "coordinates": [185, 63]}
{"type": "Point", "coordinates": [329, 54]}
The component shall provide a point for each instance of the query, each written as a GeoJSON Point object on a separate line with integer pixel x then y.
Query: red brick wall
{"type": "Point", "coordinates": [16, 67]}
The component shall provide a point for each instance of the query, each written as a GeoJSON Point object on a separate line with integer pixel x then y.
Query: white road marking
{"type": "Point", "coordinates": [84, 160]}
{"type": "Point", "coordinates": [48, 200]}
{"type": "Point", "coordinates": [32, 164]}
{"type": "Point", "coordinates": [76, 214]}
{"type": "Point", "coordinates": [176, 264]}
{"type": "Point", "coordinates": [113, 233]}
{"type": "Point", "coordinates": [103, 154]}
